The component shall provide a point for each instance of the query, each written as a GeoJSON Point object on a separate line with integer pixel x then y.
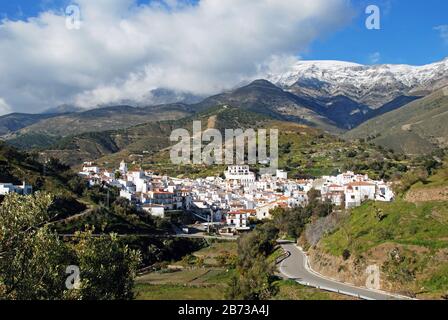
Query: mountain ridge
{"type": "Point", "coordinates": [373, 85]}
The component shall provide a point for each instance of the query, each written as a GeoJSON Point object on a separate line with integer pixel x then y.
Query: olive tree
{"type": "Point", "coordinates": [34, 260]}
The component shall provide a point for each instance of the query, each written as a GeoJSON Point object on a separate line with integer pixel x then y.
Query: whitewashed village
{"type": "Point", "coordinates": [231, 203]}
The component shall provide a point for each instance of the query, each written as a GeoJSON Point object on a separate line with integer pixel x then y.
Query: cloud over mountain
{"type": "Point", "coordinates": [124, 50]}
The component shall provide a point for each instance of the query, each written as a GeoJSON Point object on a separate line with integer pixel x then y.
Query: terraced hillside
{"type": "Point", "coordinates": [303, 151]}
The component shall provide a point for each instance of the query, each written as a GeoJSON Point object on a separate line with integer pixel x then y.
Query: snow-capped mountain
{"type": "Point", "coordinates": [373, 85]}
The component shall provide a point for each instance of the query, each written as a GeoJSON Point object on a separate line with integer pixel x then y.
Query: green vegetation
{"type": "Point", "coordinates": [178, 292]}
{"type": "Point", "coordinates": [254, 277]}
{"type": "Point", "coordinates": [408, 239]}
{"type": "Point", "coordinates": [34, 259]}
{"type": "Point", "coordinates": [304, 151]}
{"type": "Point", "coordinates": [41, 130]}
{"type": "Point", "coordinates": [404, 223]}
{"type": "Point", "coordinates": [419, 127]}
{"type": "Point", "coordinates": [202, 275]}
{"type": "Point", "coordinates": [292, 222]}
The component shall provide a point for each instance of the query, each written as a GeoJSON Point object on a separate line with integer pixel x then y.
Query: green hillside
{"type": "Point", "coordinates": [16, 167]}
{"type": "Point", "coordinates": [419, 127]}
{"type": "Point", "coordinates": [408, 239]}
{"type": "Point", "coordinates": [53, 177]}
{"type": "Point", "coordinates": [303, 151]}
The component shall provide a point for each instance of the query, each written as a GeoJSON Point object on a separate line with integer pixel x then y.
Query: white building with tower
{"type": "Point", "coordinates": [123, 168]}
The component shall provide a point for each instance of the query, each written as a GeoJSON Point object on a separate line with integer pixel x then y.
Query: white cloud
{"type": "Point", "coordinates": [123, 50]}
{"type": "Point", "coordinates": [443, 30]}
{"type": "Point", "coordinates": [4, 107]}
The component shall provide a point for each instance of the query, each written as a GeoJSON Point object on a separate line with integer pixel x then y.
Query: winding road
{"type": "Point", "coordinates": [296, 267]}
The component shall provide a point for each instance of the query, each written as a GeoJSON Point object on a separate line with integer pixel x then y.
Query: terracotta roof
{"type": "Point", "coordinates": [360, 184]}
{"type": "Point", "coordinates": [248, 211]}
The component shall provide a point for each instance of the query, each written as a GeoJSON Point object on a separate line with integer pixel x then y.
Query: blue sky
{"type": "Point", "coordinates": [407, 34]}
{"type": "Point", "coordinates": [122, 52]}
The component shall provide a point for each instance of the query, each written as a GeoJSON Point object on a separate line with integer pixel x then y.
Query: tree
{"type": "Point", "coordinates": [33, 258]}
{"type": "Point", "coordinates": [107, 267]}
{"type": "Point", "coordinates": [78, 185]}
{"type": "Point", "coordinates": [254, 277]}
{"type": "Point", "coordinates": [254, 283]}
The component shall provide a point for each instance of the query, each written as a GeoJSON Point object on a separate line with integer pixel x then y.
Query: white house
{"type": "Point", "coordinates": [7, 188]}
{"type": "Point", "coordinates": [90, 169]}
{"type": "Point", "coordinates": [282, 175]}
{"type": "Point", "coordinates": [384, 192]}
{"type": "Point", "coordinates": [154, 210]}
{"type": "Point", "coordinates": [357, 192]}
{"type": "Point", "coordinates": [123, 168]}
{"type": "Point", "coordinates": [239, 220]}
{"type": "Point", "coordinates": [263, 212]}
{"type": "Point", "coordinates": [162, 198]}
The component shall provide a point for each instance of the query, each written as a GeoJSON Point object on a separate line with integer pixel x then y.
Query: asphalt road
{"type": "Point", "coordinates": [295, 268]}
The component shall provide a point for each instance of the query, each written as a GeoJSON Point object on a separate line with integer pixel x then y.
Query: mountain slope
{"type": "Point", "coordinates": [263, 97]}
{"type": "Point", "coordinates": [303, 151]}
{"type": "Point", "coordinates": [418, 127]}
{"type": "Point", "coordinates": [16, 121]}
{"type": "Point", "coordinates": [148, 138]}
{"type": "Point", "coordinates": [44, 132]}
{"type": "Point", "coordinates": [17, 166]}
{"type": "Point", "coordinates": [407, 239]}
{"type": "Point", "coordinates": [109, 118]}
{"type": "Point", "coordinates": [373, 86]}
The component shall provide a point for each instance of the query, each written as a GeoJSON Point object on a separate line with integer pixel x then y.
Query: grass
{"type": "Point", "coordinates": [424, 224]}
{"type": "Point", "coordinates": [275, 255]}
{"type": "Point", "coordinates": [438, 281]}
{"type": "Point", "coordinates": [216, 249]}
{"type": "Point", "coordinates": [177, 292]}
{"type": "Point", "coordinates": [207, 283]}
{"type": "Point", "coordinates": [439, 179]}
{"type": "Point", "coordinates": [196, 284]}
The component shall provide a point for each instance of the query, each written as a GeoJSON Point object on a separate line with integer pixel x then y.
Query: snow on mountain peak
{"type": "Point", "coordinates": [362, 83]}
